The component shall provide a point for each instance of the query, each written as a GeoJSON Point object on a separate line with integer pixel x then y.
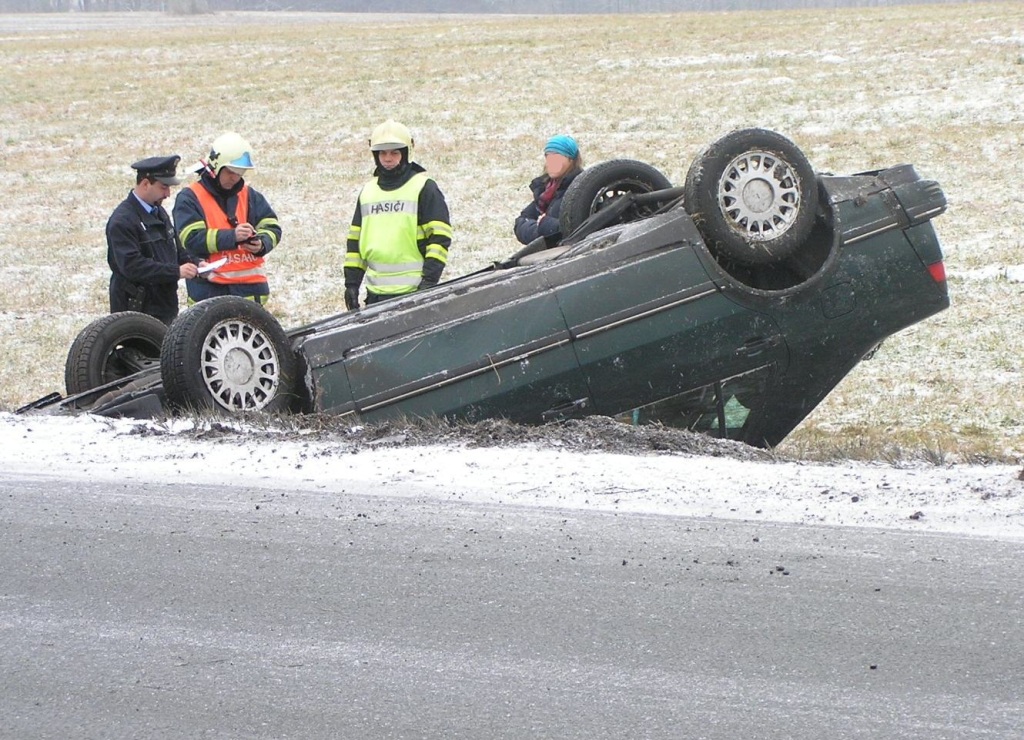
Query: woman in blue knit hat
{"type": "Point", "coordinates": [562, 162]}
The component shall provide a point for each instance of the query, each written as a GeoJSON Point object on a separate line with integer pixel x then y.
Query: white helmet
{"type": "Point", "coordinates": [391, 135]}
{"type": "Point", "coordinates": [230, 150]}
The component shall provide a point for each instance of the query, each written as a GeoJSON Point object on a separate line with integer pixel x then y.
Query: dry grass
{"type": "Point", "coordinates": [939, 85]}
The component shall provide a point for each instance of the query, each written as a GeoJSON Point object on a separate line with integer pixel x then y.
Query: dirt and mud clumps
{"type": "Point", "coordinates": [590, 434]}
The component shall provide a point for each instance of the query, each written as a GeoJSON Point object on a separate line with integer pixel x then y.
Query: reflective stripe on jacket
{"type": "Point", "coordinates": [242, 266]}
{"type": "Point", "coordinates": [388, 236]}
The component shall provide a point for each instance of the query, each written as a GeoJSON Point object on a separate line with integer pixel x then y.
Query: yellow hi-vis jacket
{"type": "Point", "coordinates": [389, 234]}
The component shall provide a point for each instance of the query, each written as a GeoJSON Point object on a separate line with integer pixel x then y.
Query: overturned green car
{"type": "Point", "coordinates": [730, 305]}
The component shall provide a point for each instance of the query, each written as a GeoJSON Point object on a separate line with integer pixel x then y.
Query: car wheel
{"type": "Point", "coordinates": [228, 353]}
{"type": "Point", "coordinates": [597, 187]}
{"type": "Point", "coordinates": [754, 195]}
{"type": "Point", "coordinates": [111, 348]}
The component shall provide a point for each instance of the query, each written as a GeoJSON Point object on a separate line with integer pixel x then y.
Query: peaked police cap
{"type": "Point", "coordinates": [162, 169]}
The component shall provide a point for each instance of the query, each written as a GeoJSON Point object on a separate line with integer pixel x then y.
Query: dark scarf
{"type": "Point", "coordinates": [393, 179]}
{"type": "Point", "coordinates": [213, 185]}
{"type": "Point", "coordinates": [548, 195]}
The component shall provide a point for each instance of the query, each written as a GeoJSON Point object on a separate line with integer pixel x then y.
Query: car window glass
{"type": "Point", "coordinates": [720, 409]}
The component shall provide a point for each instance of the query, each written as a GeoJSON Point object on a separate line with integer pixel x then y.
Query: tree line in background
{"type": "Point", "coordinates": [437, 6]}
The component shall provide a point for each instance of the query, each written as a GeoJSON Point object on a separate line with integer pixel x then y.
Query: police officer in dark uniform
{"type": "Point", "coordinates": [145, 256]}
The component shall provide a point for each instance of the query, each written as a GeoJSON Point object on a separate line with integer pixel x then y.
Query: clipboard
{"type": "Point", "coordinates": [211, 266]}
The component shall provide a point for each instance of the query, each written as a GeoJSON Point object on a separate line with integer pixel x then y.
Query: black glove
{"type": "Point", "coordinates": [424, 284]}
{"type": "Point", "coordinates": [351, 298]}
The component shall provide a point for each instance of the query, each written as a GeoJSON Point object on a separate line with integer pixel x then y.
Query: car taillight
{"type": "Point", "coordinates": [938, 271]}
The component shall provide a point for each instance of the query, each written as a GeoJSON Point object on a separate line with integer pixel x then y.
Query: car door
{"type": "Point", "coordinates": [494, 347]}
{"type": "Point", "coordinates": [656, 326]}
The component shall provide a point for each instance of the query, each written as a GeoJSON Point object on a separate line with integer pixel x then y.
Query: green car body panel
{"type": "Point", "coordinates": [636, 315]}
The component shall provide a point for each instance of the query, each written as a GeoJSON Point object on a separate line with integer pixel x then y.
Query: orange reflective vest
{"type": "Point", "coordinates": [242, 267]}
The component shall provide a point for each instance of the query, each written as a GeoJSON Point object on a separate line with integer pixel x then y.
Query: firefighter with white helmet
{"type": "Point", "coordinates": [401, 231]}
{"type": "Point", "coordinates": [221, 216]}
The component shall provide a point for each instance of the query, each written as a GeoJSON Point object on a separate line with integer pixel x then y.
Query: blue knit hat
{"type": "Point", "coordinates": [562, 144]}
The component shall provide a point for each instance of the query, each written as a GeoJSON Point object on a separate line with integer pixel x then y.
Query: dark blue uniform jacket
{"type": "Point", "coordinates": [144, 254]}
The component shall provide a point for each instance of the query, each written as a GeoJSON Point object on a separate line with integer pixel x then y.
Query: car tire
{"type": "Point", "coordinates": [228, 354]}
{"type": "Point", "coordinates": [753, 195]}
{"type": "Point", "coordinates": [111, 348]}
{"type": "Point", "coordinates": [597, 186]}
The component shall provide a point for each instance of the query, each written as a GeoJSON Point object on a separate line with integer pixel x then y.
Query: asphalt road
{"type": "Point", "coordinates": [172, 611]}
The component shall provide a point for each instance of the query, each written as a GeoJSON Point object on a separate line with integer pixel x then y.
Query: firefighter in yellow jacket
{"type": "Point", "coordinates": [219, 217]}
{"type": "Point", "coordinates": [400, 232]}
